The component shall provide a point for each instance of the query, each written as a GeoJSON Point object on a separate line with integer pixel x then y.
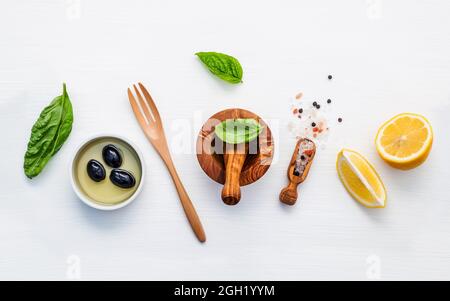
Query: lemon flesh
{"type": "Point", "coordinates": [360, 179]}
{"type": "Point", "coordinates": [405, 140]}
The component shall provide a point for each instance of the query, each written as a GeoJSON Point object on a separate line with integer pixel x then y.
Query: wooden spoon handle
{"type": "Point", "coordinates": [289, 194]}
{"type": "Point", "coordinates": [189, 209]}
{"type": "Point", "coordinates": [231, 192]}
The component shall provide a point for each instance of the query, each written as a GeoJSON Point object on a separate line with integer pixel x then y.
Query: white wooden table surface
{"type": "Point", "coordinates": [386, 57]}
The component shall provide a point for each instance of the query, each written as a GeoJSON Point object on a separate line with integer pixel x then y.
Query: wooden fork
{"type": "Point", "coordinates": [151, 124]}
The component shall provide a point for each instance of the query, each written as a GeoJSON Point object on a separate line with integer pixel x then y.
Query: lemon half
{"type": "Point", "coordinates": [405, 141]}
{"type": "Point", "coordinates": [360, 179]}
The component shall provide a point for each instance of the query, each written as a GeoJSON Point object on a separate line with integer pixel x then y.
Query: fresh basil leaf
{"type": "Point", "coordinates": [66, 121]}
{"type": "Point", "coordinates": [235, 131]}
{"type": "Point", "coordinates": [48, 134]}
{"type": "Point", "coordinates": [224, 66]}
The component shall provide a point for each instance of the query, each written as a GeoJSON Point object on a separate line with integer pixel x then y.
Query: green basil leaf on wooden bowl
{"type": "Point", "coordinates": [235, 131]}
{"type": "Point", "coordinates": [224, 66]}
{"type": "Point", "coordinates": [48, 134]}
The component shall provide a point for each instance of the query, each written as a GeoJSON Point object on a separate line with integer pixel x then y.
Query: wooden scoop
{"type": "Point", "coordinates": [295, 174]}
{"type": "Point", "coordinates": [234, 158]}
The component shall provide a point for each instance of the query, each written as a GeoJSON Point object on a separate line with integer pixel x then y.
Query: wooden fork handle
{"type": "Point", "coordinates": [188, 207]}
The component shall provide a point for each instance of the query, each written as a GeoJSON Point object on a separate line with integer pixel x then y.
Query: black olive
{"type": "Point", "coordinates": [111, 156]}
{"type": "Point", "coordinates": [122, 178]}
{"type": "Point", "coordinates": [96, 171]}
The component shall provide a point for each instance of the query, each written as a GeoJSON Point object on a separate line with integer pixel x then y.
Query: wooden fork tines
{"type": "Point", "coordinates": [148, 117]}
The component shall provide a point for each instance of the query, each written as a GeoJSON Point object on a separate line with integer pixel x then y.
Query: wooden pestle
{"type": "Point", "coordinates": [234, 158]}
{"type": "Point", "coordinates": [289, 194]}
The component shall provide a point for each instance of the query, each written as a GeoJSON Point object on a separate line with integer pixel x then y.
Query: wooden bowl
{"type": "Point", "coordinates": [256, 164]}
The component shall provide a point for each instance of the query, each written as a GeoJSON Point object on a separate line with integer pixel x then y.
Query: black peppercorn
{"type": "Point", "coordinates": [313, 124]}
{"type": "Point", "coordinates": [330, 76]}
{"type": "Point", "coordinates": [329, 101]}
{"type": "Point", "coordinates": [339, 119]}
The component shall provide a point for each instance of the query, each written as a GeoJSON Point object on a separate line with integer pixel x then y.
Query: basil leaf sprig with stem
{"type": "Point", "coordinates": [240, 130]}
{"type": "Point", "coordinates": [222, 65]}
{"type": "Point", "coordinates": [48, 134]}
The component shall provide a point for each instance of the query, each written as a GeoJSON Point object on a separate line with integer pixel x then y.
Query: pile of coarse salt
{"type": "Point", "coordinates": [310, 119]}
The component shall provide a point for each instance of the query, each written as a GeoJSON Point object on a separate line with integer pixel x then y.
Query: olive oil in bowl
{"type": "Point", "coordinates": [103, 187]}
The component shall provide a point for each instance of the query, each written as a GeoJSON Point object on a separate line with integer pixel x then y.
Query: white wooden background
{"type": "Point", "coordinates": [386, 57]}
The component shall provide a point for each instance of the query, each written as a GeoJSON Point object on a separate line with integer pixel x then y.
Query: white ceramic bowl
{"type": "Point", "coordinates": [86, 199]}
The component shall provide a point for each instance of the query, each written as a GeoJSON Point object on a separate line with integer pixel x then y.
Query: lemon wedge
{"type": "Point", "coordinates": [360, 179]}
{"type": "Point", "coordinates": [405, 141]}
